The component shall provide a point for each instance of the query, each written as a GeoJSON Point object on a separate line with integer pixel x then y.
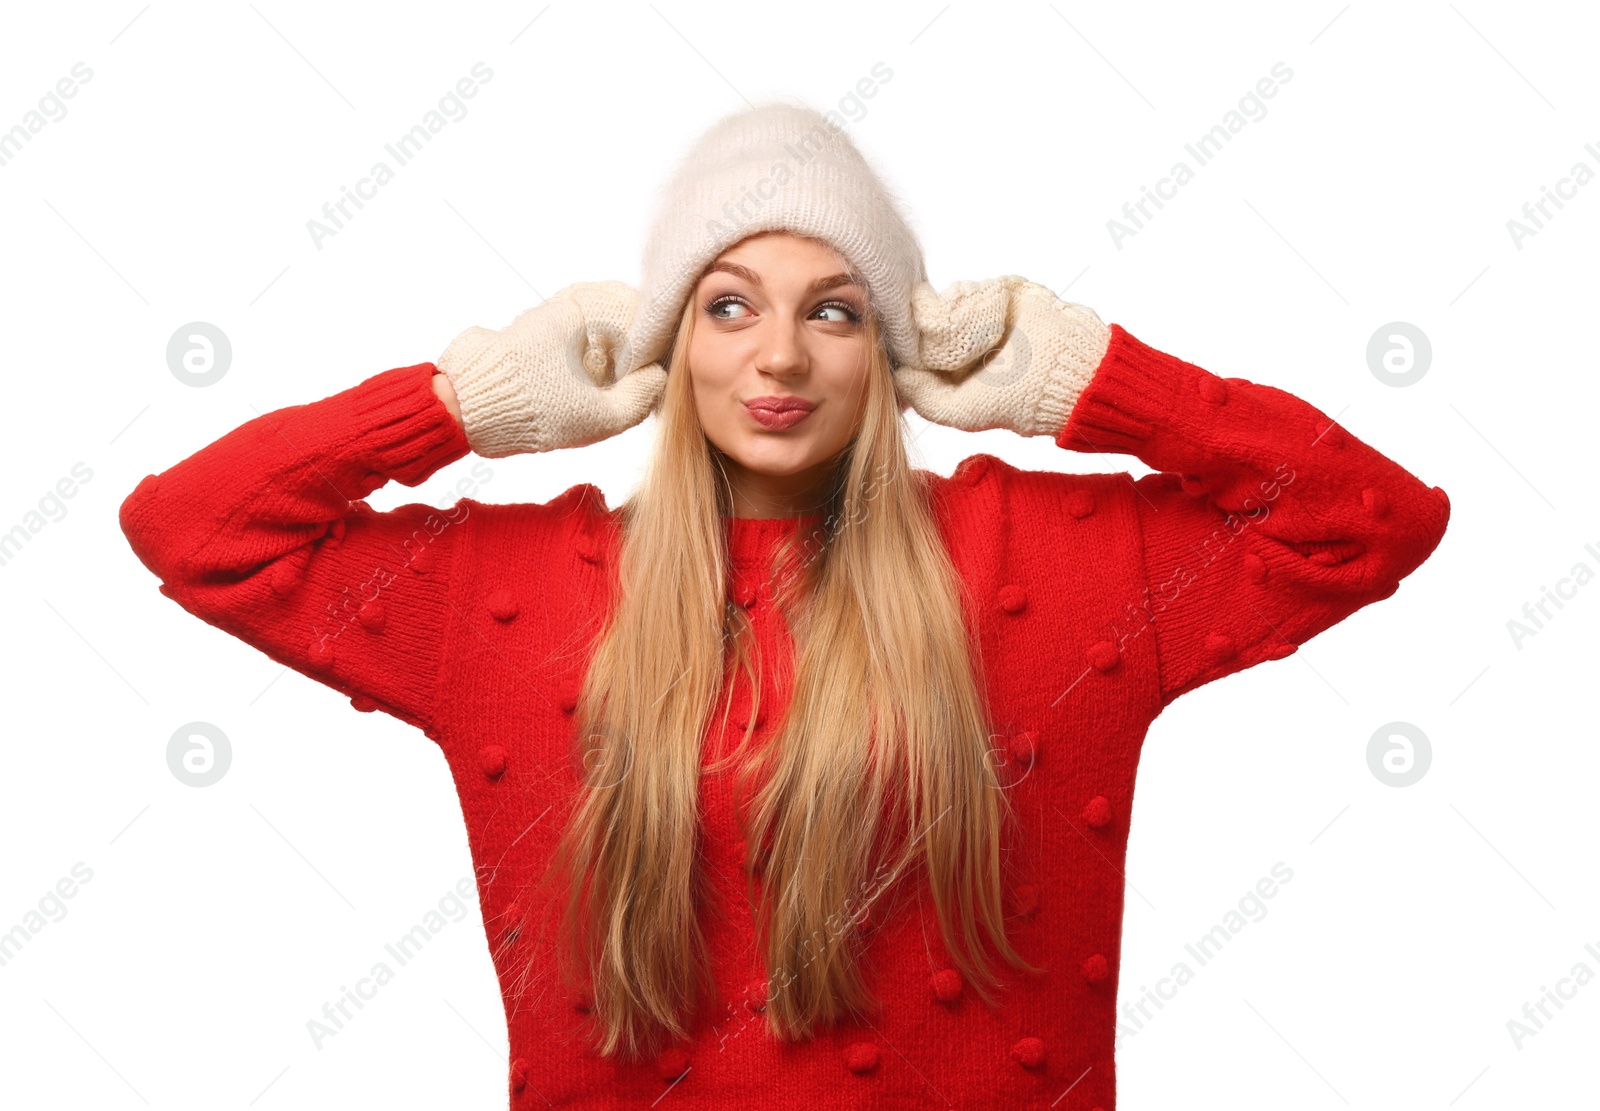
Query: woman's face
{"type": "Point", "coordinates": [779, 321]}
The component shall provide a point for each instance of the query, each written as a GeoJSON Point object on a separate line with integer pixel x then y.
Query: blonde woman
{"type": "Point", "coordinates": [803, 775]}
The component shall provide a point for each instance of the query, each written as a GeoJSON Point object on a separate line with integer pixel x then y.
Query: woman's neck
{"type": "Point", "coordinates": [756, 495]}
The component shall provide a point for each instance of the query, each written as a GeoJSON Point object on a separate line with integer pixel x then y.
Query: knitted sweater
{"type": "Point", "coordinates": [1101, 599]}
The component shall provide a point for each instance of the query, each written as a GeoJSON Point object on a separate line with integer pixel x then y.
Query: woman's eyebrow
{"type": "Point", "coordinates": [832, 281]}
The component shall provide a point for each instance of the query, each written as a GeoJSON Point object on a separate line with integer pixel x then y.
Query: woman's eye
{"type": "Point", "coordinates": [714, 309]}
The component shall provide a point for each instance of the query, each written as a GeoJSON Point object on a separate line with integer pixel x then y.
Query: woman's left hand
{"type": "Point", "coordinates": [1001, 353]}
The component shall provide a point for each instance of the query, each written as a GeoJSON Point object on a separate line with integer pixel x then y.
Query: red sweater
{"type": "Point", "coordinates": [1103, 598]}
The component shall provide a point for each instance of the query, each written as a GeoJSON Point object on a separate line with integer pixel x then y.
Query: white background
{"type": "Point", "coordinates": [1377, 188]}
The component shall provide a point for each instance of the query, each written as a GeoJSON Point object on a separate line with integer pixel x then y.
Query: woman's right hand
{"type": "Point", "coordinates": [546, 380]}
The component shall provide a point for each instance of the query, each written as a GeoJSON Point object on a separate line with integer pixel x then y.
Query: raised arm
{"type": "Point", "coordinates": [1265, 523]}
{"type": "Point", "coordinates": [263, 534]}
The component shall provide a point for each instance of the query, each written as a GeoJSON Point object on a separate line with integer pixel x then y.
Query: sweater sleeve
{"type": "Point", "coordinates": [263, 534]}
{"type": "Point", "coordinates": [1265, 523]}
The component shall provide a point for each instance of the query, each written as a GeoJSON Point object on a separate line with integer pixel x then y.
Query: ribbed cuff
{"type": "Point", "coordinates": [1131, 396]}
{"type": "Point", "coordinates": [1082, 350]}
{"type": "Point", "coordinates": [493, 400]}
{"type": "Point", "coordinates": [404, 425]}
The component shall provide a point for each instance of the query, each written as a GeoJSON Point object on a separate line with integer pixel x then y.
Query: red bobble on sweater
{"type": "Point", "coordinates": [1281, 649]}
{"type": "Point", "coordinates": [502, 605]}
{"type": "Point", "coordinates": [755, 995]}
{"type": "Point", "coordinates": [1097, 811]}
{"type": "Point", "coordinates": [364, 704]}
{"type": "Point", "coordinates": [1213, 390]}
{"type": "Point", "coordinates": [421, 561]}
{"type": "Point", "coordinates": [1024, 748]}
{"type": "Point", "coordinates": [1080, 503]}
{"type": "Point", "coordinates": [972, 470]}
{"type": "Point", "coordinates": [861, 1057]}
{"type": "Point", "coordinates": [1375, 501]}
{"type": "Point", "coordinates": [511, 920]}
{"type": "Point", "coordinates": [1012, 598]}
{"type": "Point", "coordinates": [372, 616]}
{"type": "Point", "coordinates": [285, 576]}
{"type": "Point", "coordinates": [492, 761]}
{"type": "Point", "coordinates": [1255, 568]}
{"type": "Point", "coordinates": [745, 594]}
{"type": "Point", "coordinates": [588, 548]}
{"type": "Point", "coordinates": [336, 531]}
{"type": "Point", "coordinates": [1096, 968]}
{"type": "Point", "coordinates": [672, 1063]}
{"type": "Point", "coordinates": [1220, 647]}
{"type": "Point", "coordinates": [946, 985]}
{"type": "Point", "coordinates": [1192, 484]}
{"type": "Point", "coordinates": [1027, 899]}
{"type": "Point", "coordinates": [1332, 435]}
{"type": "Point", "coordinates": [519, 1074]}
{"type": "Point", "coordinates": [1029, 1052]}
{"type": "Point", "coordinates": [320, 653]}
{"type": "Point", "coordinates": [1102, 655]}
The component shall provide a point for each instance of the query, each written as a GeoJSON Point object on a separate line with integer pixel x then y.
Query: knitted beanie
{"type": "Point", "coordinates": [780, 166]}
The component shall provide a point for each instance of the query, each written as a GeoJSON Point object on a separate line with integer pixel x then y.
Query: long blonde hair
{"type": "Point", "coordinates": [883, 756]}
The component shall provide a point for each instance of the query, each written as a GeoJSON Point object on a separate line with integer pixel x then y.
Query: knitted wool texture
{"type": "Point", "coordinates": [1002, 353]}
{"type": "Point", "coordinates": [777, 167]}
{"type": "Point", "coordinates": [546, 380]}
{"type": "Point", "coordinates": [1262, 524]}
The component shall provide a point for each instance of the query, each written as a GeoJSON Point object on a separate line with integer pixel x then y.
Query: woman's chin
{"type": "Point", "coordinates": [775, 460]}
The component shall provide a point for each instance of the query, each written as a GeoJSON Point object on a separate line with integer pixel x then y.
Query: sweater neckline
{"type": "Point", "coordinates": [753, 539]}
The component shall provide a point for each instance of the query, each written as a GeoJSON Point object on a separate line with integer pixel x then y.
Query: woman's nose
{"type": "Point", "coordinates": [782, 352]}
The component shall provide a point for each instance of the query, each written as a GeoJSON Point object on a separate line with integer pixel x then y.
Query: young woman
{"type": "Point", "coordinates": [802, 775]}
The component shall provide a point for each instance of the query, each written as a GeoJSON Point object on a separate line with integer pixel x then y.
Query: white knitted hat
{"type": "Point", "coordinates": [780, 166]}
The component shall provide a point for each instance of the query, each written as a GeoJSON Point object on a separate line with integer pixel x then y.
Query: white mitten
{"type": "Point", "coordinates": [545, 381]}
{"type": "Point", "coordinates": [1001, 353]}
